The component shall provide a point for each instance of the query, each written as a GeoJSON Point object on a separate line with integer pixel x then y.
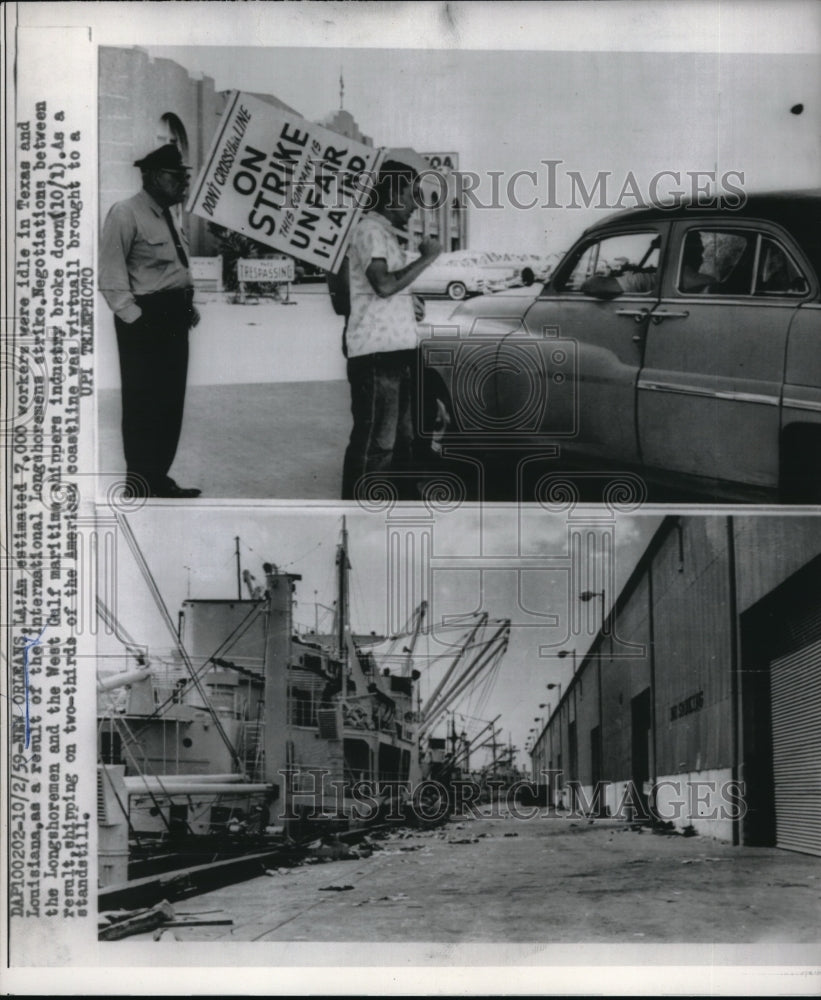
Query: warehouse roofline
{"type": "Point", "coordinates": [669, 524]}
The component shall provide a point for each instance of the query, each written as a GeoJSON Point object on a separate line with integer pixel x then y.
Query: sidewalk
{"type": "Point", "coordinates": [267, 411]}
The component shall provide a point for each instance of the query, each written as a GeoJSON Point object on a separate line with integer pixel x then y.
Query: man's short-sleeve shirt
{"type": "Point", "coordinates": [137, 255]}
{"type": "Point", "coordinates": [377, 324]}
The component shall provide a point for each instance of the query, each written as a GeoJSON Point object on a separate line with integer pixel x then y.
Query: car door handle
{"type": "Point", "coordinates": [637, 314]}
{"type": "Point", "coordinates": [658, 317]}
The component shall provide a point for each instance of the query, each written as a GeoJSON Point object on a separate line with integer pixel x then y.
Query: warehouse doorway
{"type": "Point", "coordinates": [795, 685]}
{"type": "Point", "coordinates": [640, 750]}
{"type": "Point", "coordinates": [596, 771]}
{"type": "Point", "coordinates": [781, 705]}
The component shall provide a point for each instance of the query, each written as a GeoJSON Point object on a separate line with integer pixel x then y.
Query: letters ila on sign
{"type": "Point", "coordinates": [285, 182]}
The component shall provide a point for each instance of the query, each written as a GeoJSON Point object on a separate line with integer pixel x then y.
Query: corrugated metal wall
{"type": "Point", "coordinates": [769, 550]}
{"type": "Point", "coordinates": [690, 638]}
{"type": "Point", "coordinates": [587, 717]}
{"type": "Point", "coordinates": [564, 718]}
{"type": "Point", "coordinates": [693, 632]}
{"type": "Point", "coordinates": [692, 628]}
{"type": "Point", "coordinates": [623, 680]}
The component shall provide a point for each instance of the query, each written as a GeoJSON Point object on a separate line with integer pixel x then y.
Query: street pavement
{"type": "Point", "coordinates": [261, 342]}
{"type": "Point", "coordinates": [267, 413]}
{"type": "Point", "coordinates": [546, 880]}
{"type": "Point", "coordinates": [258, 441]}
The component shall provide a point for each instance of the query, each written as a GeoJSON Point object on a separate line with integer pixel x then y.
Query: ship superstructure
{"type": "Point", "coordinates": [250, 730]}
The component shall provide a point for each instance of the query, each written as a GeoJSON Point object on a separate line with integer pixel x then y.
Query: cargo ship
{"type": "Point", "coordinates": [251, 733]}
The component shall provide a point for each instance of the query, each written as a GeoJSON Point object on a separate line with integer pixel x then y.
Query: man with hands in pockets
{"type": "Point", "coordinates": [146, 280]}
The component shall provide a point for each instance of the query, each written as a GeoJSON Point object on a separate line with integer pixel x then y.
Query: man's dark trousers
{"type": "Point", "coordinates": [382, 399]}
{"type": "Point", "coordinates": [153, 371]}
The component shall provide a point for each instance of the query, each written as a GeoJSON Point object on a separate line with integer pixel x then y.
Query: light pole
{"type": "Point", "coordinates": [588, 595]}
{"type": "Point", "coordinates": [568, 652]}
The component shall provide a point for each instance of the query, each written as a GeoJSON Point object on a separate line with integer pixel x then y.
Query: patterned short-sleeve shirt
{"type": "Point", "coordinates": [377, 325]}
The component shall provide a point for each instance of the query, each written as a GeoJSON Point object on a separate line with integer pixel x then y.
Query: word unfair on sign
{"type": "Point", "coordinates": [285, 182]}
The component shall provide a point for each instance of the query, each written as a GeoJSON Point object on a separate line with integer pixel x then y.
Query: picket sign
{"type": "Point", "coordinates": [285, 182]}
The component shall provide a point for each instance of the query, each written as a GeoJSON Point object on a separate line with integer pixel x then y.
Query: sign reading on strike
{"type": "Point", "coordinates": [284, 182]}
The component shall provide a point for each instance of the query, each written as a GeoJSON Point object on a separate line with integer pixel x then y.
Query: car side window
{"type": "Point", "coordinates": [740, 262]}
{"type": "Point", "coordinates": [717, 262]}
{"type": "Point", "coordinates": [630, 258]}
{"type": "Point", "coordinates": [777, 273]}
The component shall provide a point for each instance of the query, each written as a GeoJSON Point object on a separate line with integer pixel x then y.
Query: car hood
{"type": "Point", "coordinates": [511, 302]}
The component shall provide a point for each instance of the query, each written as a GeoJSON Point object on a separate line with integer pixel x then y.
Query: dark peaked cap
{"type": "Point", "coordinates": [167, 157]}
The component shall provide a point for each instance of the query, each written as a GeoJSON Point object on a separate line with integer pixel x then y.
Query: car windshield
{"type": "Point", "coordinates": [614, 256]}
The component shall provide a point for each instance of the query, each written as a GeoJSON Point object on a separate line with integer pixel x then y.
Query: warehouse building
{"type": "Point", "coordinates": [146, 101]}
{"type": "Point", "coordinates": [699, 702]}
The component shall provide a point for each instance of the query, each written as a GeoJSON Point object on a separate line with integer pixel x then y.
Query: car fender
{"type": "Point", "coordinates": [467, 328]}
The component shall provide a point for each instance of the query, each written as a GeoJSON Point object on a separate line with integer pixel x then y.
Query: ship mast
{"type": "Point", "coordinates": [419, 619]}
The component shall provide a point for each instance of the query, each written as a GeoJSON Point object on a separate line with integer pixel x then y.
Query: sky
{"type": "Point", "coordinates": [475, 562]}
{"type": "Point", "coordinates": [602, 86]}
{"type": "Point", "coordinates": [603, 116]}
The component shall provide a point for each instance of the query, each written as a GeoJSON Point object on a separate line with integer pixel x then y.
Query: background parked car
{"type": "Point", "coordinates": [458, 275]}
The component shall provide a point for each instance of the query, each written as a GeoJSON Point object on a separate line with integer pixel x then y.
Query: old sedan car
{"type": "Point", "coordinates": [683, 343]}
{"type": "Point", "coordinates": [460, 274]}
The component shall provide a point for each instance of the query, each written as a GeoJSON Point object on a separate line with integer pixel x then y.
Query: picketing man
{"type": "Point", "coordinates": [145, 278]}
{"type": "Point", "coordinates": [380, 334]}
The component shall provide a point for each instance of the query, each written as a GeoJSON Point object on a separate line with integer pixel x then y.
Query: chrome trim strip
{"type": "Point", "coordinates": [688, 390]}
{"type": "Point", "coordinates": [803, 404]}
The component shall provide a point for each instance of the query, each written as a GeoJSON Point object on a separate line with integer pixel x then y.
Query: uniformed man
{"type": "Point", "coordinates": [146, 280]}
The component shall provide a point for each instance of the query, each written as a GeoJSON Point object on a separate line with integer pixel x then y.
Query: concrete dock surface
{"type": "Point", "coordinates": [550, 879]}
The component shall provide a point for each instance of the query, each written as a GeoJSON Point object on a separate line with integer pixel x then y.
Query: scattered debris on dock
{"type": "Point", "coordinates": [119, 924]}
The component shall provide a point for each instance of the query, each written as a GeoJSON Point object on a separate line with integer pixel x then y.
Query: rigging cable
{"type": "Point", "coordinates": [158, 599]}
{"type": "Point", "coordinates": [236, 634]}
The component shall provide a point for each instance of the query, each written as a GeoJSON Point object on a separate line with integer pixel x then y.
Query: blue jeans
{"type": "Point", "coordinates": [382, 393]}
